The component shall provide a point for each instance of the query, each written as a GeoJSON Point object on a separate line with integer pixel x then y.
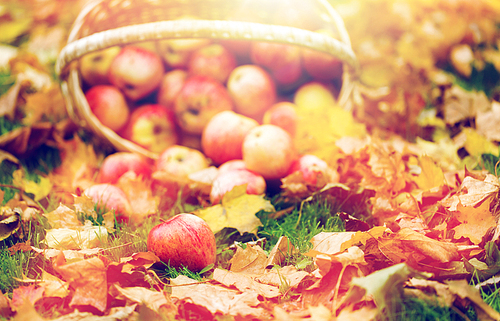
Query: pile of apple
{"type": "Point", "coordinates": [199, 103]}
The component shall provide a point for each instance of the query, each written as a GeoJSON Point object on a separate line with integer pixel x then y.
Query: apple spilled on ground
{"type": "Point", "coordinates": [184, 240]}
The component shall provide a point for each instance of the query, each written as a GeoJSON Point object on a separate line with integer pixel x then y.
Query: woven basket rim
{"type": "Point", "coordinates": [213, 29]}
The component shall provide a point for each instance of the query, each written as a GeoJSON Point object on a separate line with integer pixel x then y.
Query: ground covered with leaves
{"type": "Point", "coordinates": [410, 231]}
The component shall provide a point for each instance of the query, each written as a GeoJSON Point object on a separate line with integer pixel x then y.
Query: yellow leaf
{"type": "Point", "coordinates": [236, 210]}
{"type": "Point", "coordinates": [475, 221]}
{"type": "Point", "coordinates": [39, 189]}
{"type": "Point", "coordinates": [477, 144]}
{"type": "Point", "coordinates": [431, 175]}
{"type": "Point", "coordinates": [13, 29]}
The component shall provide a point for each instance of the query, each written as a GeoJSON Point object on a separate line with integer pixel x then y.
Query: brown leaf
{"type": "Point", "coordinates": [5, 306]}
{"type": "Point", "coordinates": [466, 291]}
{"type": "Point", "coordinates": [152, 299]}
{"type": "Point", "coordinates": [88, 279]}
{"type": "Point", "coordinates": [330, 242]}
{"type": "Point", "coordinates": [63, 217]}
{"type": "Point", "coordinates": [475, 221]}
{"type": "Point", "coordinates": [244, 283]}
{"type": "Point", "coordinates": [140, 196]}
{"type": "Point", "coordinates": [251, 260]}
{"type": "Point", "coordinates": [280, 251]}
{"type": "Point", "coordinates": [25, 294]}
{"type": "Point", "coordinates": [487, 122]}
{"type": "Point", "coordinates": [216, 299]}
{"type": "Point", "coordinates": [287, 274]}
{"type": "Point", "coordinates": [460, 104]}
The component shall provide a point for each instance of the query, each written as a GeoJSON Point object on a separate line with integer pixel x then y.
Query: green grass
{"type": "Point", "coordinates": [415, 309]}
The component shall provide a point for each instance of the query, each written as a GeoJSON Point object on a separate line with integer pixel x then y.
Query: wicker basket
{"type": "Point", "coordinates": [105, 23]}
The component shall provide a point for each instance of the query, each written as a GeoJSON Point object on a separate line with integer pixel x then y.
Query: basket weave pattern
{"type": "Point", "coordinates": [106, 23]}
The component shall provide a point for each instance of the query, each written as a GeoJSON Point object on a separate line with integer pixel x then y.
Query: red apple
{"type": "Point", "coordinates": [313, 168]}
{"type": "Point", "coordinates": [117, 164]}
{"type": "Point", "coordinates": [170, 87]}
{"type": "Point", "coordinates": [180, 161]}
{"type": "Point", "coordinates": [153, 127]}
{"type": "Point", "coordinates": [176, 52]}
{"type": "Point", "coordinates": [284, 115]}
{"type": "Point", "coordinates": [268, 150]}
{"type": "Point", "coordinates": [284, 61]}
{"type": "Point", "coordinates": [223, 136]}
{"type": "Point", "coordinates": [227, 179]}
{"type": "Point", "coordinates": [94, 66]}
{"type": "Point", "coordinates": [213, 60]}
{"type": "Point", "coordinates": [109, 106]}
{"type": "Point", "coordinates": [185, 240]}
{"type": "Point", "coordinates": [252, 90]}
{"type": "Point", "coordinates": [200, 99]}
{"type": "Point", "coordinates": [109, 197]}
{"type": "Point", "coordinates": [136, 71]}
{"type": "Point", "coordinates": [320, 65]}
{"type": "Point", "coordinates": [239, 48]}
{"type": "Point", "coordinates": [235, 164]}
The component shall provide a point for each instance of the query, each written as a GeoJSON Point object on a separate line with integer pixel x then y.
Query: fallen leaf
{"type": "Point", "coordinates": [216, 299]}
{"type": "Point", "coordinates": [152, 299]}
{"type": "Point", "coordinates": [466, 291]}
{"type": "Point", "coordinates": [245, 283]}
{"type": "Point", "coordinates": [487, 122]}
{"type": "Point", "coordinates": [9, 226]}
{"type": "Point", "coordinates": [279, 275]}
{"type": "Point", "coordinates": [251, 260]}
{"type": "Point", "coordinates": [330, 242]}
{"type": "Point", "coordinates": [237, 210]}
{"type": "Point", "coordinates": [431, 175]}
{"type": "Point", "coordinates": [84, 237]}
{"type": "Point", "coordinates": [383, 285]}
{"type": "Point", "coordinates": [140, 196]}
{"type": "Point", "coordinates": [63, 217]}
{"type": "Point", "coordinates": [475, 221]}
{"type": "Point", "coordinates": [88, 280]}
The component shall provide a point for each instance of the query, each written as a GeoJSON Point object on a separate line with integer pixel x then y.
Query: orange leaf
{"type": "Point", "coordinates": [88, 279]}
{"type": "Point", "coordinates": [475, 221]}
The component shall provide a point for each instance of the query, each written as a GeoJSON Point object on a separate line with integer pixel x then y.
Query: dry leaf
{"type": "Point", "coordinates": [63, 217]}
{"type": "Point", "coordinates": [251, 260]}
{"type": "Point", "coordinates": [84, 237]}
{"type": "Point", "coordinates": [245, 283]}
{"type": "Point", "coordinates": [88, 279]}
{"type": "Point", "coordinates": [237, 210]}
{"type": "Point", "coordinates": [152, 299]}
{"type": "Point", "coordinates": [216, 299]}
{"type": "Point", "coordinates": [475, 221]}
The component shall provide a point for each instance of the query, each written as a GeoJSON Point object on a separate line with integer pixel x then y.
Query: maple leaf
{"type": "Point", "coordinates": [140, 196]}
{"type": "Point", "coordinates": [472, 191]}
{"type": "Point", "coordinates": [245, 283]}
{"type": "Point", "coordinates": [210, 299]}
{"type": "Point", "coordinates": [475, 221]}
{"type": "Point", "coordinates": [88, 279]}
{"type": "Point", "coordinates": [280, 275]}
{"type": "Point", "coordinates": [465, 291]}
{"type": "Point", "coordinates": [237, 209]}
{"type": "Point", "coordinates": [78, 167]}
{"type": "Point", "coordinates": [63, 217]}
{"type": "Point", "coordinates": [154, 300]}
{"type": "Point", "coordinates": [431, 175]}
{"type": "Point", "coordinates": [24, 294]}
{"type": "Point", "coordinates": [252, 260]}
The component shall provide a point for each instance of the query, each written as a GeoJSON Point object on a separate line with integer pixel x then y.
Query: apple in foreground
{"type": "Point", "coordinates": [227, 179]}
{"type": "Point", "coordinates": [201, 98]}
{"type": "Point", "coordinates": [268, 150]}
{"type": "Point", "coordinates": [153, 127]}
{"type": "Point", "coordinates": [117, 164]}
{"type": "Point", "coordinates": [284, 115]}
{"type": "Point", "coordinates": [213, 60]}
{"type": "Point", "coordinates": [110, 197]}
{"type": "Point", "coordinates": [94, 67]}
{"type": "Point", "coordinates": [252, 89]}
{"type": "Point", "coordinates": [180, 161]}
{"type": "Point", "coordinates": [223, 136]}
{"type": "Point", "coordinates": [314, 169]}
{"type": "Point", "coordinates": [170, 87]}
{"type": "Point", "coordinates": [109, 105]}
{"type": "Point", "coordinates": [137, 72]}
{"type": "Point", "coordinates": [184, 240]}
